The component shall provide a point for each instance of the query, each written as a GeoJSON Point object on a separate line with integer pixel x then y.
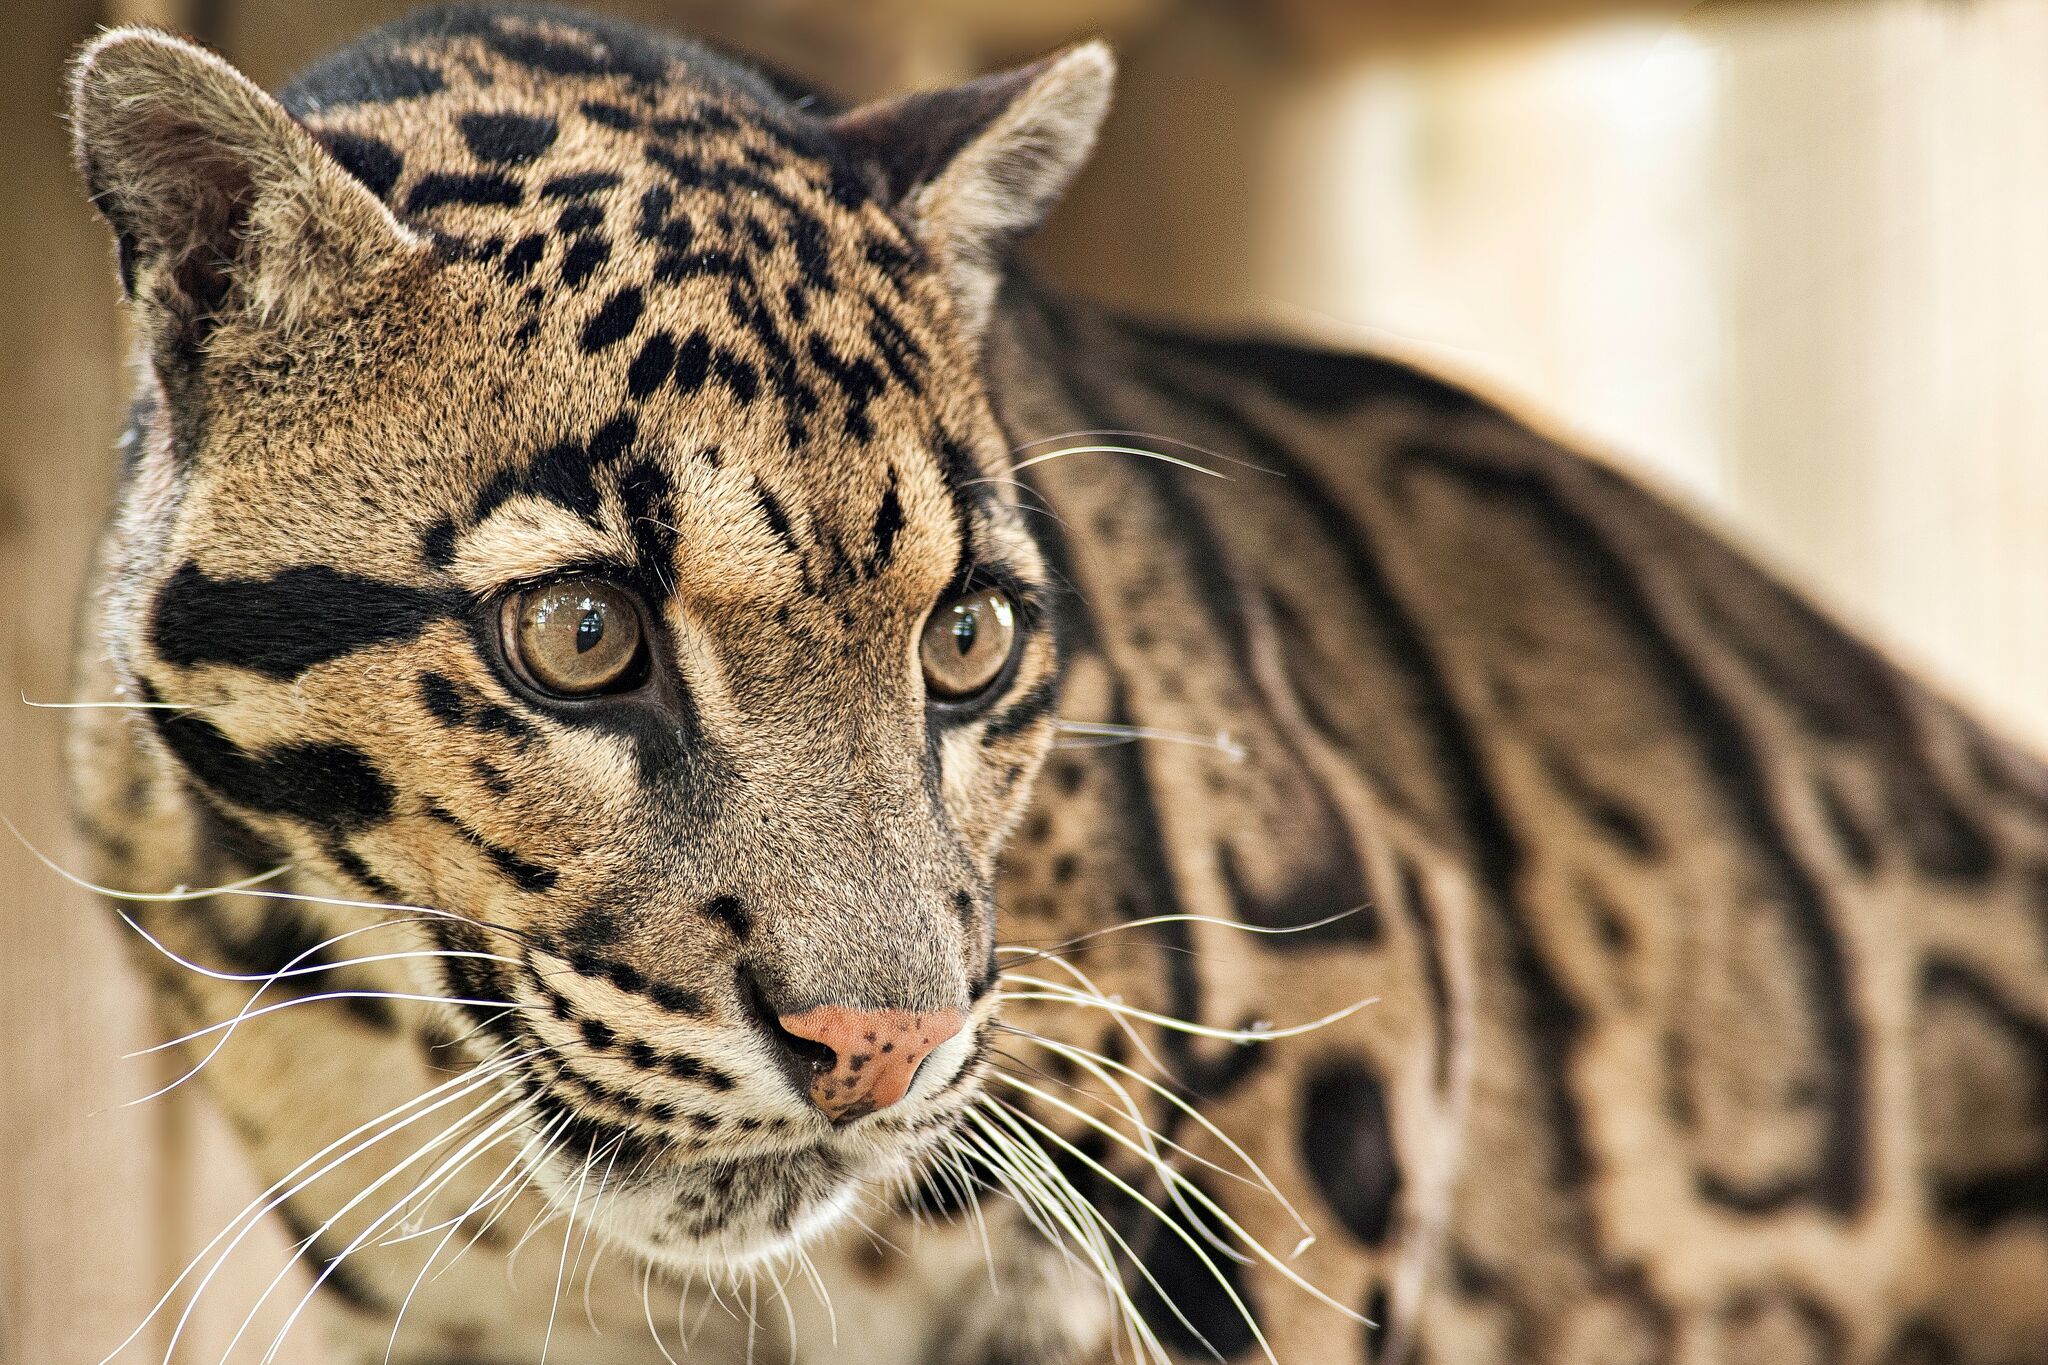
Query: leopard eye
{"type": "Point", "coordinates": [576, 637]}
{"type": "Point", "coordinates": [966, 643]}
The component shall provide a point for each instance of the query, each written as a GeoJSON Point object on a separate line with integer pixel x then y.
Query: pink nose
{"type": "Point", "coordinates": [875, 1054]}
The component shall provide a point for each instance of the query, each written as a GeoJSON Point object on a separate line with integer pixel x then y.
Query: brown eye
{"type": "Point", "coordinates": [574, 638]}
{"type": "Point", "coordinates": [966, 643]}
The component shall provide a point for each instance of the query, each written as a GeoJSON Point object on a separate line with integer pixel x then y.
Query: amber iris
{"type": "Point", "coordinates": [966, 643]}
{"type": "Point", "coordinates": [575, 638]}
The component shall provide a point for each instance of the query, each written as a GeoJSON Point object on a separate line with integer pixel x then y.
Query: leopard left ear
{"type": "Point", "coordinates": [976, 166]}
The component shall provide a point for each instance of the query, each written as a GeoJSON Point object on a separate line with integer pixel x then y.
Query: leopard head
{"type": "Point", "coordinates": [567, 503]}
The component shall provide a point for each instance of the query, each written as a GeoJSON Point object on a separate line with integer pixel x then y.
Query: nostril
{"type": "Point", "coordinates": [877, 1053]}
{"type": "Point", "coordinates": [811, 1058]}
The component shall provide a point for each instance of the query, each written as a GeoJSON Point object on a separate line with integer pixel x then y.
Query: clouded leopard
{"type": "Point", "coordinates": [858, 810]}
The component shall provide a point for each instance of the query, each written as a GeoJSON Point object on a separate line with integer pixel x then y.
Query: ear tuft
{"type": "Point", "coordinates": [977, 166]}
{"type": "Point", "coordinates": [220, 202]}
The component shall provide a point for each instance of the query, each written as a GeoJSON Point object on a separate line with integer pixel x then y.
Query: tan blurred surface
{"type": "Point", "coordinates": [1789, 259]}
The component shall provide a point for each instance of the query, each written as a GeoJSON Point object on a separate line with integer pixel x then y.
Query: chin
{"type": "Point", "coordinates": [731, 1212]}
{"type": "Point", "coordinates": [644, 1223]}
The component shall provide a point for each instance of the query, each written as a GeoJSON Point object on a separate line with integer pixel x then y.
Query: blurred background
{"type": "Point", "coordinates": [1788, 258]}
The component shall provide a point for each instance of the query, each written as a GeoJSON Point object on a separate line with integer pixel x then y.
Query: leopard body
{"type": "Point", "coordinates": [1685, 960]}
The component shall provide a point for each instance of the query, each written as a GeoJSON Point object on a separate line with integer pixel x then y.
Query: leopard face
{"type": "Point", "coordinates": [566, 505]}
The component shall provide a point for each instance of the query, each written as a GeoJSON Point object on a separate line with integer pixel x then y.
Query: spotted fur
{"type": "Point", "coordinates": [1707, 952]}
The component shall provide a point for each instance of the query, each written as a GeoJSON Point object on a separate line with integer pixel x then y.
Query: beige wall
{"type": "Point", "coordinates": [1790, 260]}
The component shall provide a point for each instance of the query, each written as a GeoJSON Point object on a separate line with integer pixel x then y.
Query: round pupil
{"type": "Point", "coordinates": [964, 629]}
{"type": "Point", "coordinates": [589, 630]}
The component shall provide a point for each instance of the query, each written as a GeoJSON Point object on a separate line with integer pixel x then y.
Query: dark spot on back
{"type": "Point", "coordinates": [1347, 1145]}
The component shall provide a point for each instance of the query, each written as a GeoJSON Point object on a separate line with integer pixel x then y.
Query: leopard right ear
{"type": "Point", "coordinates": [224, 208]}
{"type": "Point", "coordinates": [974, 167]}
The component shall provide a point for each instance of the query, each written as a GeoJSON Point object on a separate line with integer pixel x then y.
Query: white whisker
{"type": "Point", "coordinates": [1104, 734]}
{"type": "Point", "coordinates": [1054, 991]}
{"type": "Point", "coordinates": [1140, 451]}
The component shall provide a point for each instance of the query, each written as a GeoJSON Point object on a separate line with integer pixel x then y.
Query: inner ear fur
{"type": "Point", "coordinates": [222, 205]}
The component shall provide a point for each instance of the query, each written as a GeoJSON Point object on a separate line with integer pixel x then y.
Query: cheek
{"type": "Point", "coordinates": [986, 789]}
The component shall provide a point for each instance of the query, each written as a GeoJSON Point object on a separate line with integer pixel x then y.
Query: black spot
{"type": "Point", "coordinates": [888, 522]}
{"type": "Point", "coordinates": [443, 701]}
{"type": "Point", "coordinates": [528, 877]}
{"type": "Point", "coordinates": [640, 62]}
{"type": "Point", "coordinates": [563, 475]}
{"type": "Point", "coordinates": [1309, 893]}
{"type": "Point", "coordinates": [355, 77]}
{"type": "Point", "coordinates": [654, 364]}
{"type": "Point", "coordinates": [285, 624]}
{"type": "Point", "coordinates": [614, 440]}
{"type": "Point", "coordinates": [584, 255]}
{"type": "Point", "coordinates": [524, 255]}
{"type": "Point", "coordinates": [693, 362]}
{"type": "Point", "coordinates": [1378, 1322]}
{"type": "Point", "coordinates": [737, 375]}
{"type": "Point", "coordinates": [329, 786]}
{"type": "Point", "coordinates": [577, 184]}
{"type": "Point", "coordinates": [778, 520]}
{"type": "Point", "coordinates": [643, 493]}
{"type": "Point", "coordinates": [1347, 1145]}
{"type": "Point", "coordinates": [614, 322]}
{"type": "Point", "coordinates": [859, 381]}
{"type": "Point", "coordinates": [675, 999]}
{"type": "Point", "coordinates": [1850, 836]}
{"type": "Point", "coordinates": [610, 115]}
{"type": "Point", "coordinates": [490, 189]}
{"type": "Point", "coordinates": [507, 139]}
{"type": "Point", "coordinates": [597, 1035]}
{"type": "Point", "coordinates": [337, 1275]}
{"type": "Point", "coordinates": [1319, 380]}
{"type": "Point", "coordinates": [437, 546]}
{"type": "Point", "coordinates": [579, 217]}
{"type": "Point", "coordinates": [492, 777]}
{"type": "Point", "coordinates": [730, 911]}
{"type": "Point", "coordinates": [1023, 713]}
{"type": "Point", "coordinates": [369, 160]}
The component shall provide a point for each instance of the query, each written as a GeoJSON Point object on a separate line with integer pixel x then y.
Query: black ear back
{"type": "Point", "coordinates": [978, 165]}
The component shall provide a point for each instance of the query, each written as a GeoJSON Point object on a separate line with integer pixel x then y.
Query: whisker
{"type": "Point", "coordinates": [1223, 1281]}
{"type": "Point", "coordinates": [114, 705]}
{"type": "Point", "coordinates": [568, 1228]}
{"type": "Point", "coordinates": [647, 1307]}
{"type": "Point", "coordinates": [1140, 451]}
{"type": "Point", "coordinates": [1106, 734]}
{"type": "Point", "coordinates": [251, 887]}
{"type": "Point", "coordinates": [1092, 1060]}
{"type": "Point", "coordinates": [1053, 991]}
{"type": "Point", "coordinates": [1221, 923]}
{"type": "Point", "coordinates": [475, 1145]}
{"type": "Point", "coordinates": [1195, 1191]}
{"type": "Point", "coordinates": [295, 1179]}
{"type": "Point", "coordinates": [284, 973]}
{"type": "Point", "coordinates": [245, 1017]}
{"type": "Point", "coordinates": [1160, 437]}
{"type": "Point", "coordinates": [1051, 1189]}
